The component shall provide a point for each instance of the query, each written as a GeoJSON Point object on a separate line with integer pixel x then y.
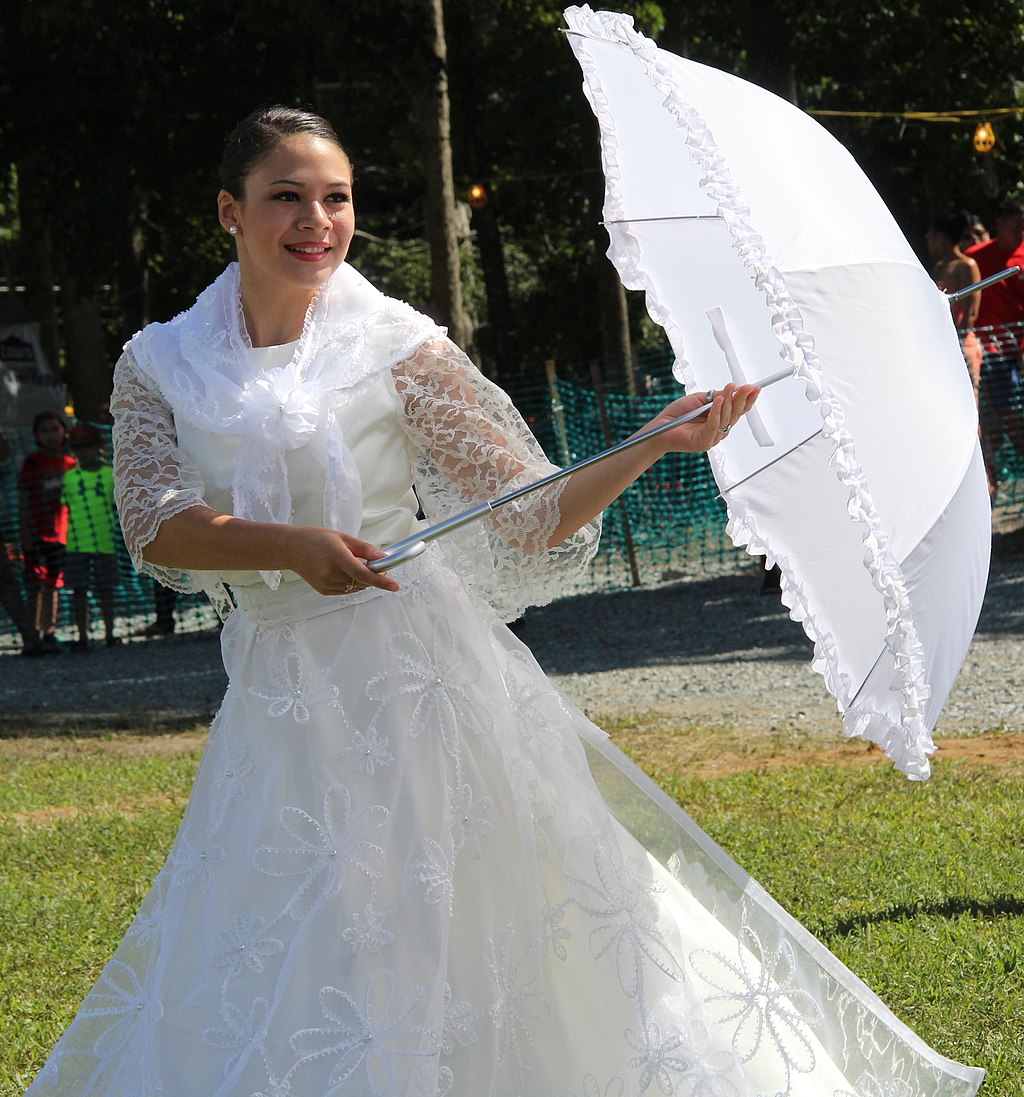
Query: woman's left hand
{"type": "Point", "coordinates": [591, 489]}
{"type": "Point", "coordinates": [728, 407]}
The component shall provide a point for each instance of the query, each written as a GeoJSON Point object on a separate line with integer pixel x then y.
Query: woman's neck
{"type": "Point", "coordinates": [274, 319]}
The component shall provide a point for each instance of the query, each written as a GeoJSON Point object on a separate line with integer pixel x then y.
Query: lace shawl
{"type": "Point", "coordinates": [466, 441]}
{"type": "Point", "coordinates": [200, 361]}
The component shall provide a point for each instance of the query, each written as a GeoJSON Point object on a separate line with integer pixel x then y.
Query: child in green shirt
{"type": "Point", "coordinates": [91, 562]}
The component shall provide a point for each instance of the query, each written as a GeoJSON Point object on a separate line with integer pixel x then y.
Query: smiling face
{"type": "Point", "coordinates": [293, 224]}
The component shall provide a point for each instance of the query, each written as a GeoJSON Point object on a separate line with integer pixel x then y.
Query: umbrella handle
{"type": "Point", "coordinates": [411, 547]}
{"type": "Point", "coordinates": [977, 287]}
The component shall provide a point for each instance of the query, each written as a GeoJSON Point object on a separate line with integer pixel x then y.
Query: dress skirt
{"type": "Point", "coordinates": [410, 866]}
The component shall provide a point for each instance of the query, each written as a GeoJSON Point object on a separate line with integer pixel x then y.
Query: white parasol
{"type": "Point", "coordinates": [756, 236]}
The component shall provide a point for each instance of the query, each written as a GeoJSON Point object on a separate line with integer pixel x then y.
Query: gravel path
{"type": "Point", "coordinates": [710, 649]}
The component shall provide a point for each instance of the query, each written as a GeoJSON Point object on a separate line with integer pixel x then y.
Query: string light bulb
{"type": "Point", "coordinates": [984, 137]}
{"type": "Point", "coordinates": [477, 195]}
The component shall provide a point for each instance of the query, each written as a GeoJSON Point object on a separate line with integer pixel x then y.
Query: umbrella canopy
{"type": "Point", "coordinates": [756, 236]}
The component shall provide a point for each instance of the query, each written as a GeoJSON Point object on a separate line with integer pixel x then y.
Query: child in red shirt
{"type": "Point", "coordinates": [44, 521]}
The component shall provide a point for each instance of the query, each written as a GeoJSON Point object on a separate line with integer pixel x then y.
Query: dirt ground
{"type": "Point", "coordinates": [696, 749]}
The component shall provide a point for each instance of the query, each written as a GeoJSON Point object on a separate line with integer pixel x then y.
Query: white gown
{"type": "Point", "coordinates": [410, 866]}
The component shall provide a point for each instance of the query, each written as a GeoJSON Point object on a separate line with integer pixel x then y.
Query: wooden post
{"type": "Point", "coordinates": [558, 411]}
{"type": "Point", "coordinates": [606, 429]}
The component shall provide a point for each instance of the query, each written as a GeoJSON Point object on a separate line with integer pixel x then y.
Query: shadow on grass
{"type": "Point", "coordinates": [999, 906]}
{"type": "Point", "coordinates": [706, 620]}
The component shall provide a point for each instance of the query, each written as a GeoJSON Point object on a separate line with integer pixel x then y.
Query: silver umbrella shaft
{"type": "Point", "coordinates": [977, 287]}
{"type": "Point", "coordinates": [402, 551]}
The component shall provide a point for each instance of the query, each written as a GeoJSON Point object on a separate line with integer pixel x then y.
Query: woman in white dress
{"type": "Point", "coordinates": [409, 865]}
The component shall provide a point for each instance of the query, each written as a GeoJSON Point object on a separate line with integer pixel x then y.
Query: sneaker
{"type": "Point", "coordinates": [49, 645]}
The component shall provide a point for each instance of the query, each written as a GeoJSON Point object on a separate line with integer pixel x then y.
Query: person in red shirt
{"type": "Point", "coordinates": [1000, 327]}
{"type": "Point", "coordinates": [44, 521]}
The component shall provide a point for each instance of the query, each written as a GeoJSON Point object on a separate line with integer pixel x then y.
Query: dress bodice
{"type": "Point", "coordinates": [372, 428]}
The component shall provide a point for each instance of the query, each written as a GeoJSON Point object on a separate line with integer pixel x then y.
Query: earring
{"type": "Point", "coordinates": [233, 229]}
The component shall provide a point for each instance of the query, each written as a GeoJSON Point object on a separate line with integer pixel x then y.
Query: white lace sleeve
{"type": "Point", "coordinates": [469, 445]}
{"type": "Point", "coordinates": [153, 479]}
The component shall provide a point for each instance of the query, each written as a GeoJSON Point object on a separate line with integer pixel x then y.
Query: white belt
{"type": "Point", "coordinates": [298, 601]}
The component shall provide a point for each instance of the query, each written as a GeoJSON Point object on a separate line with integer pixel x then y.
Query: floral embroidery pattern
{"type": "Point", "coordinates": [229, 783]}
{"type": "Point", "coordinates": [242, 1030]}
{"type": "Point", "coordinates": [760, 994]}
{"type": "Point", "coordinates": [295, 692]}
{"type": "Point", "coordinates": [368, 752]}
{"type": "Point", "coordinates": [118, 994]}
{"type": "Point", "coordinates": [194, 861]}
{"type": "Point", "coordinates": [324, 850]}
{"type": "Point", "coordinates": [619, 896]}
{"type": "Point", "coordinates": [374, 1035]}
{"type": "Point", "coordinates": [522, 1001]}
{"type": "Point", "coordinates": [246, 945]}
{"type": "Point", "coordinates": [368, 932]}
{"type": "Point", "coordinates": [145, 927]}
{"type": "Point", "coordinates": [657, 1059]}
{"type": "Point", "coordinates": [592, 1087]}
{"type": "Point", "coordinates": [441, 682]}
{"type": "Point", "coordinates": [434, 869]}
{"type": "Point", "coordinates": [710, 1066]}
{"type": "Point", "coordinates": [468, 822]}
{"type": "Point", "coordinates": [557, 933]}
{"type": "Point", "coordinates": [523, 699]}
{"type": "Point", "coordinates": [458, 1023]}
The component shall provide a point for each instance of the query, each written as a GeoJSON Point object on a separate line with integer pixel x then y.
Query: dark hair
{"type": "Point", "coordinates": [84, 434]}
{"type": "Point", "coordinates": [259, 133]}
{"type": "Point", "coordinates": [954, 225]}
{"type": "Point", "coordinates": [45, 415]}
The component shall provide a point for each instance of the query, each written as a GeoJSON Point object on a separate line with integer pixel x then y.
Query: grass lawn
{"type": "Point", "coordinates": [918, 888]}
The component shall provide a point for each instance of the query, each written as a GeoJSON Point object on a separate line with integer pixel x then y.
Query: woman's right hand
{"type": "Point", "coordinates": [202, 539]}
{"type": "Point", "coordinates": [335, 563]}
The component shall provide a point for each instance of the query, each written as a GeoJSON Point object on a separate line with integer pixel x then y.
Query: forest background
{"type": "Point", "coordinates": [114, 113]}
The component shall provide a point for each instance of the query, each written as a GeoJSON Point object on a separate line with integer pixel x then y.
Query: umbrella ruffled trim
{"type": "Point", "coordinates": [907, 742]}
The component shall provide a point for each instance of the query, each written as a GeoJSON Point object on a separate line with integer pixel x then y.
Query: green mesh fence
{"type": "Point", "coordinates": [139, 603]}
{"type": "Point", "coordinates": [669, 524]}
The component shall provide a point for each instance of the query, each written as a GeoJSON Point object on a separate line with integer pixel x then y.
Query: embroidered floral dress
{"type": "Point", "coordinates": [410, 866]}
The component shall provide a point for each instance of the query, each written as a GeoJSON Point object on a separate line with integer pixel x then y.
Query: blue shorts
{"type": "Point", "coordinates": [91, 571]}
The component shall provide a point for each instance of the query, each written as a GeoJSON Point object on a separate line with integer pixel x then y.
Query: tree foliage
{"type": "Point", "coordinates": [114, 115]}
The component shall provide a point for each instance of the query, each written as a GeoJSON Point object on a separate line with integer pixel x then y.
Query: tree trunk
{"type": "Point", "coordinates": [616, 344]}
{"type": "Point", "coordinates": [499, 305]}
{"type": "Point", "coordinates": [37, 269]}
{"type": "Point", "coordinates": [87, 370]}
{"type": "Point", "coordinates": [442, 235]}
{"type": "Point", "coordinates": [134, 268]}
{"type": "Point", "coordinates": [768, 39]}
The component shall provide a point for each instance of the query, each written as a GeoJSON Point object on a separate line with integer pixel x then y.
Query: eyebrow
{"type": "Point", "coordinates": [297, 183]}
